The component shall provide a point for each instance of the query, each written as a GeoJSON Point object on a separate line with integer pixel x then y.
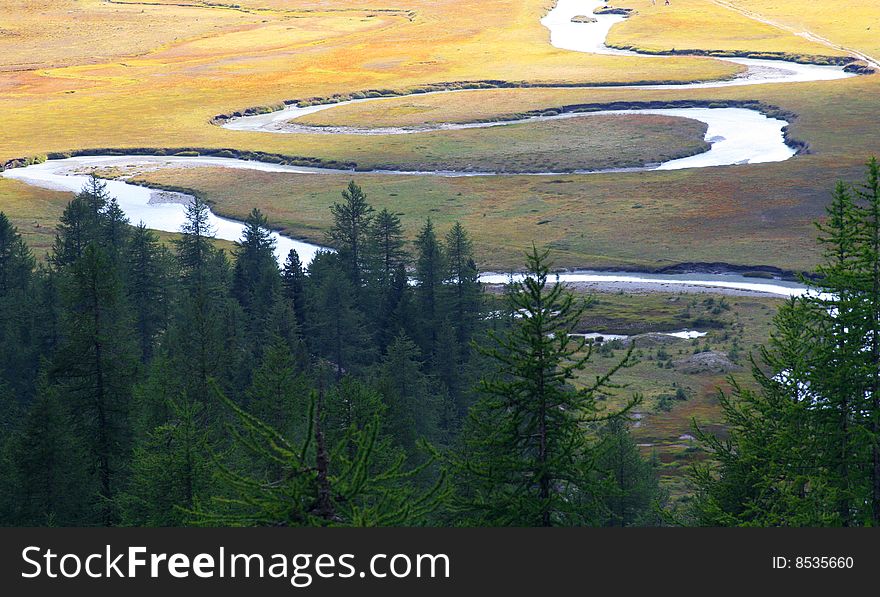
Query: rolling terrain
{"type": "Point", "coordinates": [151, 77]}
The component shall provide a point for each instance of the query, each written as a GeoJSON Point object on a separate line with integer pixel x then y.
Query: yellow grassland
{"type": "Point", "coordinates": [706, 25]}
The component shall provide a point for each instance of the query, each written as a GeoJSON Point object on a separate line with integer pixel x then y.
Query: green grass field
{"type": "Point", "coordinates": [673, 400]}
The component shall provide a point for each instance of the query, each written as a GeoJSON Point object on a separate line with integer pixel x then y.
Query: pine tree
{"type": "Point", "coordinates": [171, 469]}
{"type": "Point", "coordinates": [95, 365]}
{"type": "Point", "coordinates": [83, 221]}
{"type": "Point", "coordinates": [203, 339]}
{"type": "Point", "coordinates": [319, 485]}
{"type": "Point", "coordinates": [51, 466]}
{"type": "Point", "coordinates": [115, 229]}
{"type": "Point", "coordinates": [631, 493]}
{"type": "Point", "coordinates": [17, 263]}
{"type": "Point", "coordinates": [256, 281]}
{"type": "Point", "coordinates": [47, 302]}
{"type": "Point", "coordinates": [387, 248]}
{"type": "Point", "coordinates": [527, 460]}
{"type": "Point", "coordinates": [429, 276]}
{"type": "Point", "coordinates": [414, 406]}
{"type": "Point", "coordinates": [11, 417]}
{"type": "Point", "coordinates": [147, 280]}
{"type": "Point", "coordinates": [464, 279]}
{"type": "Point", "coordinates": [352, 406]}
{"type": "Point", "coordinates": [837, 343]}
{"type": "Point", "coordinates": [387, 256]}
{"type": "Point", "coordinates": [194, 248]}
{"type": "Point", "coordinates": [293, 284]}
{"type": "Point", "coordinates": [869, 261]}
{"type": "Point", "coordinates": [773, 468]}
{"type": "Point", "coordinates": [463, 298]}
{"type": "Point", "coordinates": [337, 330]}
{"type": "Point", "coordinates": [276, 393]}
{"type": "Point", "coordinates": [349, 232]}
{"type": "Point", "coordinates": [803, 448]}
{"type": "Point", "coordinates": [153, 396]}
{"type": "Point", "coordinates": [19, 345]}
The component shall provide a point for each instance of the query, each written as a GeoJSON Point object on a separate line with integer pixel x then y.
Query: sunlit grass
{"type": "Point", "coordinates": [854, 23]}
{"type": "Point", "coordinates": [705, 25]}
{"type": "Point", "coordinates": [165, 94]}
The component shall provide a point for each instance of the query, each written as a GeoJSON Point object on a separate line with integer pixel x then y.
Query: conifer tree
{"type": "Point", "coordinates": [463, 299]}
{"type": "Point", "coordinates": [293, 285]}
{"type": "Point", "coordinates": [337, 329]}
{"type": "Point", "coordinates": [387, 256]}
{"type": "Point", "coordinates": [171, 469]}
{"type": "Point", "coordinates": [840, 385]}
{"type": "Point", "coordinates": [95, 366]}
{"type": "Point", "coordinates": [803, 449]}
{"type": "Point", "coordinates": [631, 492]}
{"type": "Point", "coordinates": [147, 280]}
{"type": "Point", "coordinates": [276, 393]}
{"type": "Point", "coordinates": [255, 280]}
{"type": "Point", "coordinates": [387, 247]}
{"type": "Point", "coordinates": [17, 263]}
{"type": "Point", "coordinates": [463, 277]}
{"type": "Point", "coordinates": [414, 406]}
{"type": "Point", "coordinates": [47, 302]}
{"type": "Point", "coordinates": [527, 460]}
{"type": "Point", "coordinates": [153, 396]}
{"type": "Point", "coordinates": [82, 222]}
{"type": "Point", "coordinates": [115, 229]}
{"type": "Point", "coordinates": [19, 345]}
{"type": "Point", "coordinates": [318, 485]}
{"type": "Point", "coordinates": [429, 276]}
{"type": "Point", "coordinates": [869, 270]}
{"type": "Point", "coordinates": [349, 232]}
{"type": "Point", "coordinates": [194, 247]}
{"type": "Point", "coordinates": [773, 468]}
{"type": "Point", "coordinates": [203, 339]}
{"type": "Point", "coordinates": [51, 466]}
{"type": "Point", "coordinates": [11, 416]}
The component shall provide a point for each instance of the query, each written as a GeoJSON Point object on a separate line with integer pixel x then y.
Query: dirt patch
{"type": "Point", "coordinates": [706, 362]}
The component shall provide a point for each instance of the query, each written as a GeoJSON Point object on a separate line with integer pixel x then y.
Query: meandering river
{"type": "Point", "coordinates": [736, 136]}
{"type": "Point", "coordinates": [162, 210]}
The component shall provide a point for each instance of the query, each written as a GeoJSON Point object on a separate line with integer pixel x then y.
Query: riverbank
{"type": "Point", "coordinates": [732, 136]}
{"type": "Point", "coordinates": [141, 205]}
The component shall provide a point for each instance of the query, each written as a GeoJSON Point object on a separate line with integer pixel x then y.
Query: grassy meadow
{"type": "Point", "coordinates": [166, 96]}
{"type": "Point", "coordinates": [78, 74]}
{"type": "Point", "coordinates": [160, 87]}
{"type": "Point", "coordinates": [852, 24]}
{"type": "Point", "coordinates": [674, 399]}
{"type": "Point", "coordinates": [749, 215]}
{"type": "Point", "coordinates": [706, 25]}
{"type": "Point", "coordinates": [584, 143]}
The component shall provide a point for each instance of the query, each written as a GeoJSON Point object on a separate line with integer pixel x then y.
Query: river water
{"type": "Point", "coordinates": [736, 135]}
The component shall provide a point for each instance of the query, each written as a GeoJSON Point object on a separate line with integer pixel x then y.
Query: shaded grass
{"type": "Point", "coordinates": [34, 211]}
{"type": "Point", "coordinates": [665, 421]}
